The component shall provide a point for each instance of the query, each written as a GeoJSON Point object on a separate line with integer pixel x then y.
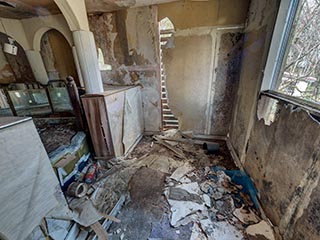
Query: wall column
{"type": "Point", "coordinates": [88, 60]}
{"type": "Point", "coordinates": [75, 14]}
{"type": "Point", "coordinates": [37, 65]}
{"type": "Point", "coordinates": [76, 62]}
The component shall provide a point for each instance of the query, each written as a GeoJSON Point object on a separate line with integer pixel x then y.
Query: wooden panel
{"type": "Point", "coordinates": [97, 119]}
{"type": "Point", "coordinates": [115, 107]}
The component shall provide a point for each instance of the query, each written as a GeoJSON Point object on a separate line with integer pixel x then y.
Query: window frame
{"type": "Point", "coordinates": [277, 51]}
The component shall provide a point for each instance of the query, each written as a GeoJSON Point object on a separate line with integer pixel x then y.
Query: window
{"type": "Point", "coordinates": [293, 66]}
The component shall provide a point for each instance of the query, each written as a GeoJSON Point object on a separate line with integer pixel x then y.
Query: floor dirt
{"type": "Point", "coordinates": [146, 213]}
{"type": "Point", "coordinates": [56, 135]}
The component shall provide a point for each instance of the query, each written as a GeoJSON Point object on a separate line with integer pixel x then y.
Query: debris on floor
{"type": "Point", "coordinates": [174, 189]}
{"type": "Point", "coordinates": [62, 129]}
{"type": "Point", "coordinates": [261, 229]}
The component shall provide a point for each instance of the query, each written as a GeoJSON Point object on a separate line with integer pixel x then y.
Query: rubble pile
{"type": "Point", "coordinates": [174, 189]}
{"type": "Point", "coordinates": [217, 208]}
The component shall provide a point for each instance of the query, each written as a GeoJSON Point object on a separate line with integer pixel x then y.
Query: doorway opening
{"type": "Point", "coordinates": [169, 121]}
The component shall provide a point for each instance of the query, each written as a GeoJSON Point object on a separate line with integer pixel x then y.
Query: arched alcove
{"type": "Point", "coordinates": [57, 56]}
{"type": "Point", "coordinates": [166, 24]}
{"type": "Point", "coordinates": [14, 68]}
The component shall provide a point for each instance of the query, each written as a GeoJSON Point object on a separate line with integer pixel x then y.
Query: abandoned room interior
{"type": "Point", "coordinates": [160, 119]}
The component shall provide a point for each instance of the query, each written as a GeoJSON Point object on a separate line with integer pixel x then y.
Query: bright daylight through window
{"type": "Point", "coordinates": [300, 71]}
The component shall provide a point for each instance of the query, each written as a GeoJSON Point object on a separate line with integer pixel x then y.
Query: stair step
{"type": "Point", "coordinates": [170, 120]}
{"type": "Point", "coordinates": [171, 125]}
{"type": "Point", "coordinates": [168, 115]}
{"type": "Point", "coordinates": [165, 31]}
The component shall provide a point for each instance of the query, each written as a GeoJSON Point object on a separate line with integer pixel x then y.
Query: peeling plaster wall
{"type": "Point", "coordinates": [225, 85]}
{"type": "Point", "coordinates": [6, 73]}
{"type": "Point", "coordinates": [14, 68]}
{"type": "Point", "coordinates": [283, 158]}
{"type": "Point", "coordinates": [202, 68]}
{"type": "Point", "coordinates": [128, 40]}
{"type": "Point", "coordinates": [308, 226]}
{"type": "Point", "coordinates": [262, 15]}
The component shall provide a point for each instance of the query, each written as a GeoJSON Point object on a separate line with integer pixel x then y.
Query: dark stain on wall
{"type": "Point", "coordinates": [286, 152]}
{"type": "Point", "coordinates": [308, 226]}
{"type": "Point", "coordinates": [121, 46]}
{"type": "Point", "coordinates": [226, 84]}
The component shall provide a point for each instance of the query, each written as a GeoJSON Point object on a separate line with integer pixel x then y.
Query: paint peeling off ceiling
{"type": "Point", "coordinates": [96, 6]}
{"type": "Point", "coordinates": [19, 9]}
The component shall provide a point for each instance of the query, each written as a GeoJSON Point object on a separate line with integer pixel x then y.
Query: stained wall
{"type": "Point", "coordinates": [281, 157]}
{"type": "Point", "coordinates": [128, 40]}
{"type": "Point", "coordinates": [14, 68]}
{"type": "Point", "coordinates": [202, 68]}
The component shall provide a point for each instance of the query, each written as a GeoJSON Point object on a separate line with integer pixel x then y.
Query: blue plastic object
{"type": "Point", "coordinates": [240, 177]}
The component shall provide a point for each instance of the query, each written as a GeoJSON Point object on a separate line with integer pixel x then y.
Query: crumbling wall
{"type": "Point", "coordinates": [129, 42]}
{"type": "Point", "coordinates": [283, 159]}
{"type": "Point", "coordinates": [281, 152]}
{"type": "Point", "coordinates": [261, 19]}
{"type": "Point", "coordinates": [202, 67]}
{"type": "Point", "coordinates": [14, 68]}
{"type": "Point", "coordinates": [6, 73]}
{"type": "Point", "coordinates": [308, 226]}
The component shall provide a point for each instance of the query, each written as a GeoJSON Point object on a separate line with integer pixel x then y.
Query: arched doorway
{"type": "Point", "coordinates": [57, 56]}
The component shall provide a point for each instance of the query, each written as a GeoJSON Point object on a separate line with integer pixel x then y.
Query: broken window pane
{"type": "Point", "coordinates": [300, 75]}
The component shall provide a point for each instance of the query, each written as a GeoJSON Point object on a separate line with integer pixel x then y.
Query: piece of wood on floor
{"type": "Point", "coordinates": [112, 218]}
{"type": "Point", "coordinates": [176, 151]}
{"type": "Point", "coordinates": [100, 231]}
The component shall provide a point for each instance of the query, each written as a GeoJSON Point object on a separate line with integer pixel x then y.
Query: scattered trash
{"type": "Point", "coordinates": [246, 216]}
{"type": "Point", "coordinates": [239, 177]}
{"type": "Point", "coordinates": [181, 171]}
{"type": "Point", "coordinates": [220, 230]}
{"type": "Point", "coordinates": [77, 189]}
{"type": "Point", "coordinates": [262, 228]}
{"type": "Point", "coordinates": [201, 195]}
{"type": "Point", "coordinates": [91, 173]}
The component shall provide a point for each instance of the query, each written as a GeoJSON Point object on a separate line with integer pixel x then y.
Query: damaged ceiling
{"type": "Point", "coordinates": [16, 9]}
{"type": "Point", "coordinates": [27, 8]}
